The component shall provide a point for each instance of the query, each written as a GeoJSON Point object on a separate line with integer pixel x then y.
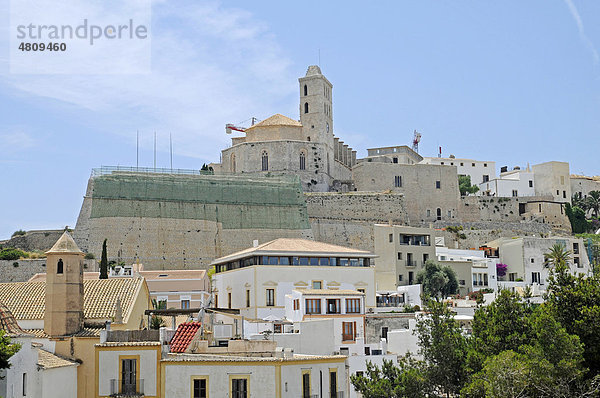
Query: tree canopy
{"type": "Point", "coordinates": [464, 185]}
{"type": "Point", "coordinates": [437, 281]}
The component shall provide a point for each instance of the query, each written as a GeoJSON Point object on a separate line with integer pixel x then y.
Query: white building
{"type": "Point", "coordinates": [553, 179]}
{"type": "Point", "coordinates": [479, 170]}
{"type": "Point", "coordinates": [513, 183]}
{"type": "Point", "coordinates": [257, 280]}
{"type": "Point", "coordinates": [473, 269]}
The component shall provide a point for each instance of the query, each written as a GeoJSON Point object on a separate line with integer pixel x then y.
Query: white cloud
{"type": "Point", "coordinates": [211, 65]}
{"type": "Point", "coordinates": [582, 35]}
{"type": "Point", "coordinates": [16, 139]}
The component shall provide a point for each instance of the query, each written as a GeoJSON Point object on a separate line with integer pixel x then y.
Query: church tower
{"type": "Point", "coordinates": [64, 288]}
{"type": "Point", "coordinates": [316, 110]}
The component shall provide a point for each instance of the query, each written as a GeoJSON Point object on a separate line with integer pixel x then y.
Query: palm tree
{"type": "Point", "coordinates": [558, 256]}
{"type": "Point", "coordinates": [593, 202]}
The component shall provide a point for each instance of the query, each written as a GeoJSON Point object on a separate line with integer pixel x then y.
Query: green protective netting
{"type": "Point", "coordinates": [236, 202]}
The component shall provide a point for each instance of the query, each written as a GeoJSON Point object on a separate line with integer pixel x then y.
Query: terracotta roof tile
{"type": "Point", "coordinates": [27, 300]}
{"type": "Point", "coordinates": [184, 335]}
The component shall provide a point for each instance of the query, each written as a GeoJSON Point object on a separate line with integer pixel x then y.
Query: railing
{"type": "Point", "coordinates": [119, 389]}
{"type": "Point", "coordinates": [411, 263]}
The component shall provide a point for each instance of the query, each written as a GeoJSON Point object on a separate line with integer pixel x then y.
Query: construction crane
{"type": "Point", "coordinates": [230, 127]}
{"type": "Point", "coordinates": [416, 140]}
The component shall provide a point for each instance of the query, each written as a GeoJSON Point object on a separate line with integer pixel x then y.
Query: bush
{"type": "Point", "coordinates": [89, 256]}
{"type": "Point", "coordinates": [19, 232]}
{"type": "Point", "coordinates": [16, 264]}
{"type": "Point", "coordinates": [12, 254]}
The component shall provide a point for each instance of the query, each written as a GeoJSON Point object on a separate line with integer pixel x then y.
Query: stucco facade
{"type": "Point", "coordinates": [553, 179]}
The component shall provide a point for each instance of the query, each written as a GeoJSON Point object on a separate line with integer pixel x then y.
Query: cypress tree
{"type": "Point", "coordinates": [104, 262]}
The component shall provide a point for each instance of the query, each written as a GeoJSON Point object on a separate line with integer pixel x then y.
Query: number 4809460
{"type": "Point", "coordinates": [43, 46]}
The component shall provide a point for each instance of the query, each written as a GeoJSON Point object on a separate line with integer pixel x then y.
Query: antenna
{"type": "Point", "coordinates": [319, 57]}
{"type": "Point", "coordinates": [171, 149]}
{"type": "Point", "coordinates": [416, 140]}
{"type": "Point", "coordinates": [137, 149]}
{"type": "Point", "coordinates": [155, 151]}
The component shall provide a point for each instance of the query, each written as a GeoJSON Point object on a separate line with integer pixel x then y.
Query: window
{"type": "Point", "coordinates": [562, 180]}
{"type": "Point", "coordinates": [577, 263]}
{"type": "Point", "coordinates": [333, 306]}
{"type": "Point", "coordinates": [530, 183]}
{"type": "Point", "coordinates": [425, 258]}
{"type": "Point", "coordinates": [348, 331]}
{"type": "Point", "coordinates": [306, 107]}
{"type": "Point", "coordinates": [428, 213]}
{"type": "Point", "coordinates": [277, 328]}
{"type": "Point", "coordinates": [306, 384]}
{"type": "Point", "coordinates": [239, 388]}
{"type": "Point", "coordinates": [265, 161]}
{"type": "Point", "coordinates": [449, 213]}
{"type": "Point", "coordinates": [216, 300]}
{"type": "Point", "coordinates": [186, 304]}
{"type": "Point", "coordinates": [313, 306]}
{"type": "Point", "coordinates": [232, 163]}
{"type": "Point", "coordinates": [486, 178]}
{"type": "Point", "coordinates": [59, 266]}
{"type": "Point", "coordinates": [532, 260]}
{"type": "Point", "coordinates": [367, 350]}
{"type": "Point", "coordinates": [462, 164]}
{"type": "Point", "coordinates": [352, 306]}
{"type": "Point", "coordinates": [399, 256]}
{"type": "Point", "coordinates": [564, 194]}
{"type": "Point", "coordinates": [438, 185]}
{"type": "Point", "coordinates": [305, 90]}
{"type": "Point", "coordinates": [472, 164]}
{"type": "Point", "coordinates": [442, 162]}
{"type": "Point", "coordinates": [512, 277]}
{"type": "Point", "coordinates": [394, 160]}
{"type": "Point", "coordinates": [400, 278]}
{"type": "Point", "coordinates": [247, 298]}
{"type": "Point", "coordinates": [200, 388]}
{"type": "Point", "coordinates": [296, 304]}
{"type": "Point", "coordinates": [317, 285]}
{"type": "Point", "coordinates": [535, 277]}
{"type": "Point", "coordinates": [485, 165]}
{"type": "Point", "coordinates": [391, 238]}
{"type": "Point", "coordinates": [229, 300]}
{"type": "Point", "coordinates": [384, 331]}
{"type": "Point", "coordinates": [398, 181]}
{"type": "Point", "coordinates": [439, 213]}
{"type": "Point", "coordinates": [515, 193]}
{"type": "Point", "coordinates": [270, 297]}
{"type": "Point", "coordinates": [24, 384]}
{"type": "Point", "coordinates": [333, 383]}
{"type": "Point", "coordinates": [361, 291]}
{"type": "Point", "coordinates": [302, 161]}
{"type": "Point", "coordinates": [575, 248]}
{"type": "Point", "coordinates": [129, 375]}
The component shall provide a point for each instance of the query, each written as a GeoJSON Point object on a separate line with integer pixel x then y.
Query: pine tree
{"type": "Point", "coordinates": [104, 262]}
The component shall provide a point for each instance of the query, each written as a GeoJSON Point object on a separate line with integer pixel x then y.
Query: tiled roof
{"type": "Point", "coordinates": [8, 323]}
{"type": "Point", "coordinates": [277, 120]}
{"type": "Point", "coordinates": [293, 246]}
{"type": "Point", "coordinates": [85, 332]}
{"type": "Point", "coordinates": [129, 344]}
{"type": "Point", "coordinates": [27, 300]}
{"type": "Point", "coordinates": [39, 333]}
{"type": "Point", "coordinates": [65, 244]}
{"type": "Point", "coordinates": [47, 360]}
{"type": "Point", "coordinates": [184, 335]}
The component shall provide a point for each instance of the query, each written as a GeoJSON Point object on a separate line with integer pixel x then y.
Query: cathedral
{"type": "Point", "coordinates": [306, 148]}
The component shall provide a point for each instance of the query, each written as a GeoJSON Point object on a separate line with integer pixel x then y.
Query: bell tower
{"type": "Point", "coordinates": [316, 110]}
{"type": "Point", "coordinates": [64, 288]}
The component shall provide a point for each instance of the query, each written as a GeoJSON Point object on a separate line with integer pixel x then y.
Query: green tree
{"type": "Point", "coordinates": [18, 232]}
{"type": "Point", "coordinates": [104, 262]}
{"type": "Point", "coordinates": [408, 379]}
{"type": "Point", "coordinates": [464, 185]}
{"type": "Point", "coordinates": [574, 301]}
{"type": "Point", "coordinates": [593, 202]}
{"type": "Point", "coordinates": [558, 255]}
{"type": "Point", "coordinates": [156, 322]}
{"type": "Point", "coordinates": [443, 347]}
{"type": "Point", "coordinates": [7, 350]}
{"type": "Point", "coordinates": [437, 281]}
{"type": "Point", "coordinates": [12, 254]}
{"type": "Point", "coordinates": [576, 215]}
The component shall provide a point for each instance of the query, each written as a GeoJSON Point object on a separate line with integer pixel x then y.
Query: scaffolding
{"type": "Point", "coordinates": [236, 201]}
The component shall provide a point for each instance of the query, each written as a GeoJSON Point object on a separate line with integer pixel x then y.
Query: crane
{"type": "Point", "coordinates": [416, 140]}
{"type": "Point", "coordinates": [230, 127]}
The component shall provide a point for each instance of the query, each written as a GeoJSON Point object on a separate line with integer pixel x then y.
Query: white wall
{"type": "Point", "coordinates": [358, 363]}
{"type": "Point", "coordinates": [465, 167]}
{"type": "Point", "coordinates": [403, 341]}
{"type": "Point", "coordinates": [59, 383]}
{"type": "Point", "coordinates": [109, 369]}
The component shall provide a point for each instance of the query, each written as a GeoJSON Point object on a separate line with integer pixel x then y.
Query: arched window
{"type": "Point", "coordinates": [59, 266]}
{"type": "Point", "coordinates": [305, 90]}
{"type": "Point", "coordinates": [302, 160]}
{"type": "Point", "coordinates": [306, 107]}
{"type": "Point", "coordinates": [265, 161]}
{"type": "Point", "coordinates": [439, 213]}
{"type": "Point", "coordinates": [232, 166]}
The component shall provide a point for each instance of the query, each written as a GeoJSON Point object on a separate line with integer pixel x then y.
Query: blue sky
{"type": "Point", "coordinates": [515, 82]}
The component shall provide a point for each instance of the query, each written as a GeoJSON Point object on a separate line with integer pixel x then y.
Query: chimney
{"type": "Point", "coordinates": [255, 243]}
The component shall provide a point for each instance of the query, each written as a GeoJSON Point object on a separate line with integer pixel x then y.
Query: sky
{"type": "Point", "coordinates": [514, 82]}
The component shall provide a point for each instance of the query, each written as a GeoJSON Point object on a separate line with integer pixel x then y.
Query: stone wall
{"type": "Point", "coordinates": [34, 240]}
{"type": "Point", "coordinates": [28, 268]}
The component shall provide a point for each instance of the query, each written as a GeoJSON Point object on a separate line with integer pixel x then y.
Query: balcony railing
{"type": "Point", "coordinates": [411, 263]}
{"type": "Point", "coordinates": [119, 389]}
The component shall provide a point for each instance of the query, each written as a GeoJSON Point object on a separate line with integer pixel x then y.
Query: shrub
{"type": "Point", "coordinates": [89, 256]}
{"type": "Point", "coordinates": [501, 269]}
{"type": "Point", "coordinates": [16, 264]}
{"type": "Point", "coordinates": [19, 232]}
{"type": "Point", "coordinates": [12, 254]}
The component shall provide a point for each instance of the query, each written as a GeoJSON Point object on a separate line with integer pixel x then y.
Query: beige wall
{"type": "Point", "coordinates": [553, 178]}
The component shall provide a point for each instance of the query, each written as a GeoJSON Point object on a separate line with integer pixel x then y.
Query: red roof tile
{"type": "Point", "coordinates": [184, 335]}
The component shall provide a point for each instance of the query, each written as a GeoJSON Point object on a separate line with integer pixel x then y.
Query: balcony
{"type": "Point", "coordinates": [411, 263]}
{"type": "Point", "coordinates": [124, 389]}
